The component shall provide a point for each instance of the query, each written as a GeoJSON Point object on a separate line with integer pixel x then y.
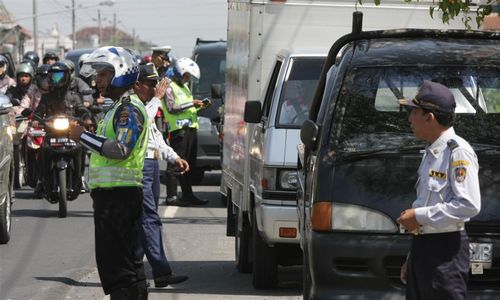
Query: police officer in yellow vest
{"type": "Point", "coordinates": [115, 172]}
{"type": "Point", "coordinates": [182, 120]}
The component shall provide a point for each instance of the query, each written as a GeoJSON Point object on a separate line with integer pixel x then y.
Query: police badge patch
{"type": "Point", "coordinates": [460, 174]}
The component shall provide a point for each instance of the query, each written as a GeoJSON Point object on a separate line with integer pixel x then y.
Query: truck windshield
{"type": "Point", "coordinates": [372, 118]}
{"type": "Point", "coordinates": [298, 91]}
{"type": "Point", "coordinates": [212, 70]}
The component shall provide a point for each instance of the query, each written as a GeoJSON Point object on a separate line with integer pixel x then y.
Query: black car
{"type": "Point", "coordinates": [359, 158]}
{"type": "Point", "coordinates": [6, 167]}
{"type": "Point", "coordinates": [210, 55]}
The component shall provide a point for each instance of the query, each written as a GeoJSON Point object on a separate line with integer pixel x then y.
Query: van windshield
{"type": "Point", "coordinates": [298, 91]}
{"type": "Point", "coordinates": [372, 118]}
{"type": "Point", "coordinates": [212, 71]}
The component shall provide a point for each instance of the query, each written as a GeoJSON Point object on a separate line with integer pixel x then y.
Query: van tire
{"type": "Point", "coordinates": [265, 266]}
{"type": "Point", "coordinates": [242, 244]}
{"type": "Point", "coordinates": [5, 218]}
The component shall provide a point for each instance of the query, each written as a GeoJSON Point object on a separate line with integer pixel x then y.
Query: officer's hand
{"type": "Point", "coordinates": [100, 100]}
{"type": "Point", "coordinates": [75, 132]}
{"type": "Point", "coordinates": [403, 275]}
{"type": "Point", "coordinates": [161, 88]}
{"type": "Point", "coordinates": [182, 164]}
{"type": "Point", "coordinates": [197, 103]}
{"type": "Point", "coordinates": [408, 220]}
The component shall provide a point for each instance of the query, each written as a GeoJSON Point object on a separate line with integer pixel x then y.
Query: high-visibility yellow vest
{"type": "Point", "coordinates": [189, 117]}
{"type": "Point", "coordinates": [105, 172]}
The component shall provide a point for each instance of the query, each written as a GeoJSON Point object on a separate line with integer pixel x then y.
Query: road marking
{"type": "Point", "coordinates": [170, 211]}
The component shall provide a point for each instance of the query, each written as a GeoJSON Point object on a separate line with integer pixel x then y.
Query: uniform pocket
{"type": "Point", "coordinates": [437, 184]}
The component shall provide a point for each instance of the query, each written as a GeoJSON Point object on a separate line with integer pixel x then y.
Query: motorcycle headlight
{"type": "Point", "coordinates": [288, 180]}
{"type": "Point", "coordinates": [358, 218]}
{"type": "Point", "coordinates": [61, 124]}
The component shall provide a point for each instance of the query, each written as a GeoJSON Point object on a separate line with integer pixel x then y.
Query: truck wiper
{"type": "Point", "coordinates": [360, 155]}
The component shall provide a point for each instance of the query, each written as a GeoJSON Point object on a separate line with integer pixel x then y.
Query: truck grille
{"type": "Point", "coordinates": [474, 228]}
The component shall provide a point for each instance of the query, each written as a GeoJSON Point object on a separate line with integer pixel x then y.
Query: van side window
{"type": "Point", "coordinates": [271, 89]}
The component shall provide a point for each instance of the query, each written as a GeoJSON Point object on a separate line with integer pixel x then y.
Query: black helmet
{"type": "Point", "coordinates": [33, 56]}
{"type": "Point", "coordinates": [41, 77]}
{"type": "Point", "coordinates": [58, 75]}
{"type": "Point", "coordinates": [50, 55]}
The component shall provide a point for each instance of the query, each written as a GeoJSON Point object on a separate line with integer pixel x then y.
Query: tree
{"type": "Point", "coordinates": [453, 8]}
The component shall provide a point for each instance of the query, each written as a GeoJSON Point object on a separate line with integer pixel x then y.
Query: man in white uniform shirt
{"type": "Point", "coordinates": [150, 241]}
{"type": "Point", "coordinates": [448, 195]}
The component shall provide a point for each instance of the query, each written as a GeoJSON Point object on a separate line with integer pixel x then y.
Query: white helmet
{"type": "Point", "coordinates": [117, 58]}
{"type": "Point", "coordinates": [82, 59]}
{"type": "Point", "coordinates": [186, 65]}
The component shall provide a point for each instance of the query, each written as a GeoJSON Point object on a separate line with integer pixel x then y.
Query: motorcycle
{"type": "Point", "coordinates": [32, 153]}
{"type": "Point", "coordinates": [61, 169]}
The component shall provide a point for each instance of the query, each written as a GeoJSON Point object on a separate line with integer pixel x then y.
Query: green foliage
{"type": "Point", "coordinates": [452, 8]}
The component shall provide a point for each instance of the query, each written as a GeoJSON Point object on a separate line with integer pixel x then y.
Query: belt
{"type": "Point", "coordinates": [427, 229]}
{"type": "Point", "coordinates": [152, 154]}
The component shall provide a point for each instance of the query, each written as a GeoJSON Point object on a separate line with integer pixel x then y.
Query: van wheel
{"type": "Point", "coordinates": [5, 211]}
{"type": "Point", "coordinates": [265, 266]}
{"type": "Point", "coordinates": [242, 244]}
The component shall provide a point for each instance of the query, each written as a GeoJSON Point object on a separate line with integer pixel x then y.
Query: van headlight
{"type": "Point", "coordinates": [288, 179]}
{"type": "Point", "coordinates": [61, 124]}
{"type": "Point", "coordinates": [348, 217]}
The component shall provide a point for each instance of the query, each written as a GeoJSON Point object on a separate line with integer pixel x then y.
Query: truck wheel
{"type": "Point", "coordinates": [5, 210]}
{"type": "Point", "coordinates": [306, 278]}
{"type": "Point", "coordinates": [265, 266]}
{"type": "Point", "coordinates": [63, 196]}
{"type": "Point", "coordinates": [242, 244]}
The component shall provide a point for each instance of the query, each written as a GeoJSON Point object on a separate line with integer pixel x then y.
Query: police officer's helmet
{"type": "Point", "coordinates": [25, 68]}
{"type": "Point", "coordinates": [58, 75]}
{"type": "Point", "coordinates": [50, 55]}
{"type": "Point", "coordinates": [33, 56]}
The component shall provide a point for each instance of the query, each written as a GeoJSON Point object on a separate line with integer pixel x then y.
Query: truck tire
{"type": "Point", "coordinates": [242, 244]}
{"type": "Point", "coordinates": [63, 195]}
{"type": "Point", "coordinates": [306, 278]}
{"type": "Point", "coordinates": [5, 214]}
{"type": "Point", "coordinates": [264, 263]}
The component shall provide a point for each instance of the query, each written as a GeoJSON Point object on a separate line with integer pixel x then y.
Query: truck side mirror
{"type": "Point", "coordinates": [309, 134]}
{"type": "Point", "coordinates": [253, 112]}
{"type": "Point", "coordinates": [216, 91]}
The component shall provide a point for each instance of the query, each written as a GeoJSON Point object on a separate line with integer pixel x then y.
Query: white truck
{"type": "Point", "coordinates": [260, 157]}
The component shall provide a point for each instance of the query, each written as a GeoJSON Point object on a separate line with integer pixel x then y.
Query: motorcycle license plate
{"type": "Point", "coordinates": [481, 255]}
{"type": "Point", "coordinates": [59, 140]}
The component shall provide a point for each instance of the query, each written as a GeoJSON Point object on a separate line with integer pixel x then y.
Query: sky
{"type": "Point", "coordinates": [163, 22]}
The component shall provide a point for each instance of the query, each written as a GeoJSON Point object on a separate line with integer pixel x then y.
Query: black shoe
{"type": "Point", "coordinates": [38, 192]}
{"type": "Point", "coordinates": [163, 281]}
{"type": "Point", "coordinates": [195, 200]}
{"type": "Point", "coordinates": [174, 201]}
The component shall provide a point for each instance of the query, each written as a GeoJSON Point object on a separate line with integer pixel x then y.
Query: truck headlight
{"type": "Point", "coordinates": [61, 124]}
{"type": "Point", "coordinates": [350, 217]}
{"type": "Point", "coordinates": [288, 180]}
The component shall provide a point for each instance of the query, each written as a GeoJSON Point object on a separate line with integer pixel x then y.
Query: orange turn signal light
{"type": "Point", "coordinates": [321, 217]}
{"type": "Point", "coordinates": [288, 232]}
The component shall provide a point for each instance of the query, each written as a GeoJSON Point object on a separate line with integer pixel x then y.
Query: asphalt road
{"type": "Point", "coordinates": [50, 258]}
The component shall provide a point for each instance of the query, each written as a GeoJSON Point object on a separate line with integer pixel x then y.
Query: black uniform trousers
{"type": "Point", "coordinates": [438, 266]}
{"type": "Point", "coordinates": [116, 216]}
{"type": "Point", "coordinates": [185, 143]}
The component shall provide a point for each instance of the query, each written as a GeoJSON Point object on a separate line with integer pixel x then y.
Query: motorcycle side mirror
{"type": "Point", "coordinates": [26, 112]}
{"type": "Point", "coordinates": [15, 101]}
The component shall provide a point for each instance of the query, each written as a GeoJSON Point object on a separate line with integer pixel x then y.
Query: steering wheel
{"type": "Point", "coordinates": [300, 117]}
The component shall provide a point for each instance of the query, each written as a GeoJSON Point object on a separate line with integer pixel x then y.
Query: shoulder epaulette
{"type": "Point", "coordinates": [452, 144]}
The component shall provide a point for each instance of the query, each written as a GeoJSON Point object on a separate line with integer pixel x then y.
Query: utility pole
{"type": "Point", "coordinates": [114, 29]}
{"type": "Point", "coordinates": [99, 26]}
{"type": "Point", "coordinates": [73, 22]}
{"type": "Point", "coordinates": [35, 29]}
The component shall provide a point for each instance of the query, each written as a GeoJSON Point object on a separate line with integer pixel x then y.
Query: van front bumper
{"type": "Point", "coordinates": [368, 266]}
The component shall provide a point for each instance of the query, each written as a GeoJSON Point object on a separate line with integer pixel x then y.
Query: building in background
{"type": "Point", "coordinates": [13, 37]}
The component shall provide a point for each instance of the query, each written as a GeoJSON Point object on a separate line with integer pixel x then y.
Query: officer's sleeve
{"type": "Point", "coordinates": [129, 124]}
{"type": "Point", "coordinates": [465, 200]}
{"type": "Point", "coordinates": [172, 108]}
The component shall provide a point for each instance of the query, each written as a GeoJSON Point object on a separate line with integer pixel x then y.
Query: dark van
{"type": "Point", "coordinates": [210, 55]}
{"type": "Point", "coordinates": [358, 159]}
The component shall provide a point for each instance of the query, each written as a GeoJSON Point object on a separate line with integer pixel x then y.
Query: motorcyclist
{"type": "Point", "coordinates": [41, 78]}
{"type": "Point", "coordinates": [33, 56]}
{"type": "Point", "coordinates": [25, 92]}
{"type": "Point", "coordinates": [50, 57]}
{"type": "Point", "coordinates": [59, 100]}
{"type": "Point", "coordinates": [77, 85]}
{"type": "Point", "coordinates": [5, 80]}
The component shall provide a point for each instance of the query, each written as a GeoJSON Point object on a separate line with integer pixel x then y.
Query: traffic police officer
{"type": "Point", "coordinates": [183, 124]}
{"type": "Point", "coordinates": [447, 196]}
{"type": "Point", "coordinates": [115, 172]}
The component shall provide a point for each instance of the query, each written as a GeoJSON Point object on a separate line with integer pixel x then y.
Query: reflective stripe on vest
{"type": "Point", "coordinates": [105, 172]}
{"type": "Point", "coordinates": [188, 117]}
